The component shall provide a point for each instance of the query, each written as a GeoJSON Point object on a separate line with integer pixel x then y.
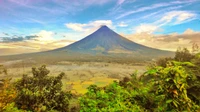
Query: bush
{"type": "Point", "coordinates": [7, 94]}
{"type": "Point", "coordinates": [41, 92]}
{"type": "Point", "coordinates": [163, 61]}
{"type": "Point", "coordinates": [112, 98]}
{"type": "Point", "coordinates": [183, 55]}
{"type": "Point", "coordinates": [171, 88]}
{"type": "Point", "coordinates": [3, 70]}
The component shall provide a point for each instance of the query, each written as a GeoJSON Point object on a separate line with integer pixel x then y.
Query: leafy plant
{"type": "Point", "coordinates": [41, 92]}
{"type": "Point", "coordinates": [7, 94]}
{"type": "Point", "coordinates": [171, 87]}
{"type": "Point", "coordinates": [112, 98]}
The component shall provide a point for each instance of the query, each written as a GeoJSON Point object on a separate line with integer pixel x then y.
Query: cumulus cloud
{"type": "Point", "coordinates": [148, 28]}
{"type": "Point", "coordinates": [189, 31]}
{"type": "Point", "coordinates": [76, 26]}
{"type": "Point", "coordinates": [89, 27]}
{"type": "Point", "coordinates": [166, 42]}
{"type": "Point", "coordinates": [45, 36]}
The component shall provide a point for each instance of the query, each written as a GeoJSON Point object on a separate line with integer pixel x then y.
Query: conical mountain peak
{"type": "Point", "coordinates": [105, 40]}
{"type": "Point", "coordinates": [103, 28]}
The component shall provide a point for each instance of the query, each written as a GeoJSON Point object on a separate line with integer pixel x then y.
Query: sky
{"type": "Point", "coordinates": [40, 25]}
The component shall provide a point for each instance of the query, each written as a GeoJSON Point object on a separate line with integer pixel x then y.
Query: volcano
{"type": "Point", "coordinates": [103, 44]}
{"type": "Point", "coordinates": [106, 41]}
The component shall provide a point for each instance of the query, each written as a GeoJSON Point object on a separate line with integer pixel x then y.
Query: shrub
{"type": "Point", "coordinates": [163, 61]}
{"type": "Point", "coordinates": [3, 70]}
{"type": "Point", "coordinates": [112, 98]}
{"type": "Point", "coordinates": [171, 88]}
{"type": "Point", "coordinates": [7, 94]}
{"type": "Point", "coordinates": [41, 92]}
{"type": "Point", "coordinates": [183, 55]}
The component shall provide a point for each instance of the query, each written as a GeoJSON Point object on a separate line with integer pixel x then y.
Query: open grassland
{"type": "Point", "coordinates": [79, 75]}
{"type": "Point", "coordinates": [80, 87]}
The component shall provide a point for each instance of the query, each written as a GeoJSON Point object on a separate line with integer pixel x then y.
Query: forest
{"type": "Point", "coordinates": [169, 84]}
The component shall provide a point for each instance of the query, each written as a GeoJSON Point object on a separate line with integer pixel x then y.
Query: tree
{"type": "Point", "coordinates": [195, 48]}
{"type": "Point", "coordinates": [41, 92]}
{"type": "Point", "coordinates": [183, 55]}
{"type": "Point", "coordinates": [3, 70]}
{"type": "Point", "coordinates": [163, 61]}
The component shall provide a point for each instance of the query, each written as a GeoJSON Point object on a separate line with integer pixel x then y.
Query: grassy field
{"type": "Point", "coordinates": [80, 87]}
{"type": "Point", "coordinates": [78, 75]}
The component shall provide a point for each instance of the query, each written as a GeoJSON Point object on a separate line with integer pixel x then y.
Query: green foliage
{"type": "Point", "coordinates": [171, 87]}
{"type": "Point", "coordinates": [12, 108]}
{"type": "Point", "coordinates": [128, 95]}
{"type": "Point", "coordinates": [113, 98]}
{"type": "Point", "coordinates": [191, 63]}
{"type": "Point", "coordinates": [7, 94]}
{"type": "Point", "coordinates": [41, 92]}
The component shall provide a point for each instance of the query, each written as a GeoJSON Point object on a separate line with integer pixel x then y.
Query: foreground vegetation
{"type": "Point", "coordinates": [170, 84]}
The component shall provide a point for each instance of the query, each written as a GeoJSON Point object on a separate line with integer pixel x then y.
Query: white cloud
{"type": "Point", "coordinates": [122, 24]}
{"type": "Point", "coordinates": [185, 16]}
{"type": "Point", "coordinates": [76, 26]}
{"type": "Point", "coordinates": [3, 35]}
{"type": "Point", "coordinates": [88, 27]}
{"type": "Point", "coordinates": [148, 28]}
{"type": "Point", "coordinates": [154, 6]}
{"type": "Point", "coordinates": [142, 9]}
{"type": "Point", "coordinates": [169, 18]}
{"type": "Point", "coordinates": [166, 42]}
{"type": "Point", "coordinates": [176, 17]}
{"type": "Point", "coordinates": [100, 22]}
{"type": "Point", "coordinates": [189, 31]}
{"type": "Point", "coordinates": [45, 36]}
{"type": "Point", "coordinates": [120, 2]}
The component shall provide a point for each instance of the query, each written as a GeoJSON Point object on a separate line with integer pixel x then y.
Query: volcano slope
{"type": "Point", "coordinates": [102, 45]}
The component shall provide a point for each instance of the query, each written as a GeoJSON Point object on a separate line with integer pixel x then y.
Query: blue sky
{"type": "Point", "coordinates": [50, 20]}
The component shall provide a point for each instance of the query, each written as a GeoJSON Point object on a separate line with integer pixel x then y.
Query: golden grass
{"type": "Point", "coordinates": [81, 87]}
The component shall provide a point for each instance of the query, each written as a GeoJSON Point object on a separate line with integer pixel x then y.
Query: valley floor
{"type": "Point", "coordinates": [79, 75]}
